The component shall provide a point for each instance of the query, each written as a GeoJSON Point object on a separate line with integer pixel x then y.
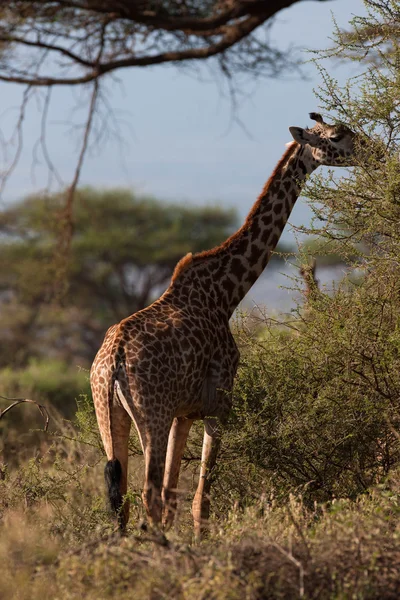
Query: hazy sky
{"type": "Point", "coordinates": [180, 141]}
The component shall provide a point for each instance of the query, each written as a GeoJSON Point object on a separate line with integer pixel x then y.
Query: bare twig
{"type": "Point", "coordinates": [72, 187]}
{"type": "Point", "coordinates": [18, 133]}
{"type": "Point", "coordinates": [16, 401]}
{"type": "Point", "coordinates": [296, 562]}
{"type": "Point", "coordinates": [43, 141]}
{"type": "Point", "coordinates": [67, 213]}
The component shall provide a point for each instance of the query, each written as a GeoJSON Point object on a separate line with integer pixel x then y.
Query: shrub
{"type": "Point", "coordinates": [317, 398]}
{"type": "Point", "coordinates": [60, 545]}
{"type": "Point", "coordinates": [50, 381]}
{"type": "Point", "coordinates": [315, 410]}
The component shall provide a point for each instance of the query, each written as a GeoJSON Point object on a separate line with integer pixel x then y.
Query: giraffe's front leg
{"type": "Point", "coordinates": [201, 502]}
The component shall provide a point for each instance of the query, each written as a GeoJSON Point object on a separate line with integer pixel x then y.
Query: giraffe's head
{"type": "Point", "coordinates": [332, 145]}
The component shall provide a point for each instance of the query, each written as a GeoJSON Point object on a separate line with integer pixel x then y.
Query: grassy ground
{"type": "Point", "coordinates": [57, 541]}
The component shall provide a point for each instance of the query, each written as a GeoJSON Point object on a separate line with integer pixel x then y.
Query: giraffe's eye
{"type": "Point", "coordinates": [336, 138]}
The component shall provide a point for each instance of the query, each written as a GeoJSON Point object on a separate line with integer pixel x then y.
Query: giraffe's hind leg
{"type": "Point", "coordinates": [154, 455]}
{"type": "Point", "coordinates": [115, 438]}
{"type": "Point", "coordinates": [176, 444]}
{"type": "Point", "coordinates": [121, 425]}
{"type": "Point", "coordinates": [153, 435]}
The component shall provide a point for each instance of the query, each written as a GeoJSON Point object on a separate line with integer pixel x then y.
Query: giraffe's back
{"type": "Point", "coordinates": [163, 356]}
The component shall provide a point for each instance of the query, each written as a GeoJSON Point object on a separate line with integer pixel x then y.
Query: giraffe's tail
{"type": "Point", "coordinates": [112, 475]}
{"type": "Point", "coordinates": [113, 468]}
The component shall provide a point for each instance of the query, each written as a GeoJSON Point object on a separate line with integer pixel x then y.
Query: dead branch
{"type": "Point", "coordinates": [18, 136]}
{"type": "Point", "coordinates": [67, 214]}
{"type": "Point", "coordinates": [16, 401]}
{"type": "Point", "coordinates": [296, 562]}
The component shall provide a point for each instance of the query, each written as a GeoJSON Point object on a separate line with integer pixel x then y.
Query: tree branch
{"type": "Point", "coordinates": [154, 29]}
{"type": "Point", "coordinates": [16, 401]}
{"type": "Point", "coordinates": [9, 39]}
{"type": "Point", "coordinates": [67, 214]}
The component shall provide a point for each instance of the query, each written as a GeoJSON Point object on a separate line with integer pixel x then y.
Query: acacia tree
{"type": "Point", "coordinates": [373, 37]}
{"type": "Point", "coordinates": [123, 251]}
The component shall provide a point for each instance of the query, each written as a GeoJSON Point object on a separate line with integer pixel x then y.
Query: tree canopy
{"type": "Point", "coordinates": [77, 41]}
{"type": "Point", "coordinates": [123, 252]}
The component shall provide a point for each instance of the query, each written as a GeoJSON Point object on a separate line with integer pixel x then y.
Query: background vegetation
{"type": "Point", "coordinates": [123, 251]}
{"type": "Point", "coordinates": [306, 499]}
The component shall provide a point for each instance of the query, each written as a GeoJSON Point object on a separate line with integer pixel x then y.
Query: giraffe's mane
{"type": "Point", "coordinates": [190, 258]}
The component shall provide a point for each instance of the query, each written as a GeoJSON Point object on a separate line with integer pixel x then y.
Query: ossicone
{"type": "Point", "coordinates": [316, 117]}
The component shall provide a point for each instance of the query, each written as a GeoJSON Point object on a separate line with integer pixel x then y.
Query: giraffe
{"type": "Point", "coordinates": [175, 361]}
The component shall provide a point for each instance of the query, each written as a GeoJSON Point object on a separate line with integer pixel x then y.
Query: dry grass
{"type": "Point", "coordinates": [57, 541]}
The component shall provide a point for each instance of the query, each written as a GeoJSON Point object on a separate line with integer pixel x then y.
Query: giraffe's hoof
{"type": "Point", "coordinates": [163, 540]}
{"type": "Point", "coordinates": [143, 526]}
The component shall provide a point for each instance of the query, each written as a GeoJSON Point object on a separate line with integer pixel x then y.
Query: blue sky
{"type": "Point", "coordinates": [179, 139]}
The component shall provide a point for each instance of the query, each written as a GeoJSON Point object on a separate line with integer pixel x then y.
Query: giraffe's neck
{"type": "Point", "coordinates": [226, 273]}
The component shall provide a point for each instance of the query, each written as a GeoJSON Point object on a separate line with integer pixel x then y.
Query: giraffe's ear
{"type": "Point", "coordinates": [303, 137]}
